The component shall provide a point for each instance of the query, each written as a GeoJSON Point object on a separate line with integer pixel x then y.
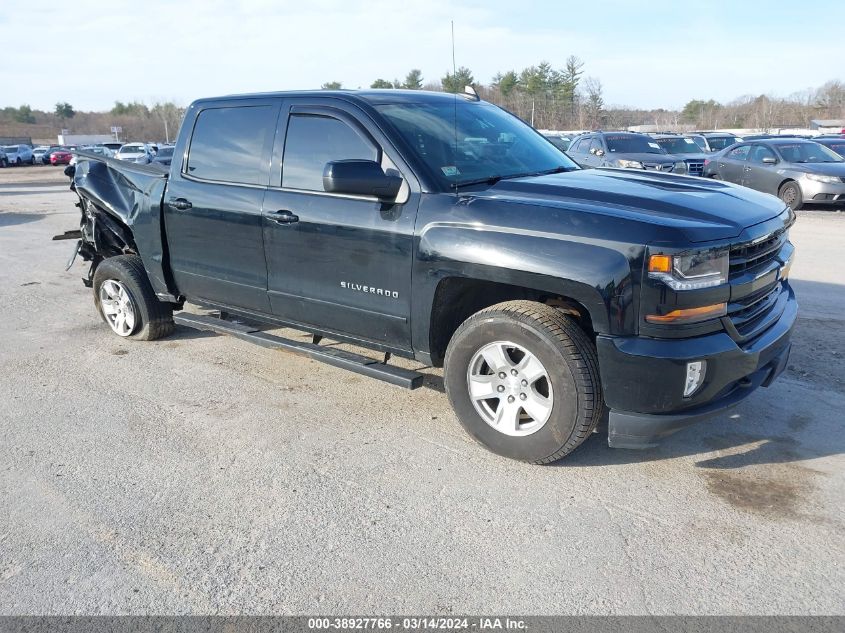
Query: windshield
{"type": "Point", "coordinates": [631, 144]}
{"type": "Point", "coordinates": [721, 142]}
{"type": "Point", "coordinates": [10, 148]}
{"type": "Point", "coordinates": [131, 149]}
{"type": "Point", "coordinates": [463, 142]}
{"type": "Point", "coordinates": [808, 153]}
{"type": "Point", "coordinates": [680, 145]}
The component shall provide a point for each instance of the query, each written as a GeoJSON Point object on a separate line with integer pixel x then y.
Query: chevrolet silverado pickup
{"type": "Point", "coordinates": [443, 229]}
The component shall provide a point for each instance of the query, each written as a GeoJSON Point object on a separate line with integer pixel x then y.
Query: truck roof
{"type": "Point", "coordinates": [371, 96]}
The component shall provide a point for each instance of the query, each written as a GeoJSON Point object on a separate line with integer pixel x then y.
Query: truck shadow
{"type": "Point", "coordinates": [8, 218]}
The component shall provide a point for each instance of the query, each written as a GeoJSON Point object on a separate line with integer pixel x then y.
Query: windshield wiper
{"type": "Point", "coordinates": [492, 180]}
{"type": "Point", "coordinates": [557, 170]}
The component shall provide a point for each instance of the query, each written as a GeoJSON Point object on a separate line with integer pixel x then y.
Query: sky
{"type": "Point", "coordinates": [648, 54]}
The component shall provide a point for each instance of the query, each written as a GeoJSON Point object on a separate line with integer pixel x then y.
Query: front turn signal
{"type": "Point", "coordinates": [690, 315]}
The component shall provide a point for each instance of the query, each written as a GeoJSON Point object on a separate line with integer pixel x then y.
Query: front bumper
{"type": "Point", "coordinates": [643, 378]}
{"type": "Point", "coordinates": [821, 192]}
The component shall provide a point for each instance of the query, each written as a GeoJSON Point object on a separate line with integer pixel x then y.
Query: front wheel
{"type": "Point", "coordinates": [126, 302]}
{"type": "Point", "coordinates": [523, 379]}
{"type": "Point", "coordinates": [790, 193]}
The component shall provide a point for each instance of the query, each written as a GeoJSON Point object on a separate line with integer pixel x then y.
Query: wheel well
{"type": "Point", "coordinates": [785, 181]}
{"type": "Point", "coordinates": [458, 298]}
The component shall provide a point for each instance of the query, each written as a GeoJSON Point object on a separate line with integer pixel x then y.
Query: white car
{"type": "Point", "coordinates": [38, 153]}
{"type": "Point", "coordinates": [19, 154]}
{"type": "Point", "coordinates": [135, 153]}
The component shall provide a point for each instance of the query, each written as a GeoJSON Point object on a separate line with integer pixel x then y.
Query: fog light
{"type": "Point", "coordinates": [695, 376]}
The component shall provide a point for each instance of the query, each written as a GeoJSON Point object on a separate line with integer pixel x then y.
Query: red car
{"type": "Point", "coordinates": [60, 157]}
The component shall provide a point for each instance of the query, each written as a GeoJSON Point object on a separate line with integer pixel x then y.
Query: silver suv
{"type": "Point", "coordinates": [18, 154]}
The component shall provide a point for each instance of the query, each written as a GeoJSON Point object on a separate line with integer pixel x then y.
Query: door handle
{"type": "Point", "coordinates": [283, 217]}
{"type": "Point", "coordinates": [747, 168]}
{"type": "Point", "coordinates": [179, 203]}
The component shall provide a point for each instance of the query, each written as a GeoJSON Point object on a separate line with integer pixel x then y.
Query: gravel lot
{"type": "Point", "coordinates": [200, 474]}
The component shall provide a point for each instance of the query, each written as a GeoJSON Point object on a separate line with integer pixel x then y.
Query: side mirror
{"type": "Point", "coordinates": [599, 152]}
{"type": "Point", "coordinates": [360, 177]}
{"type": "Point", "coordinates": [769, 160]}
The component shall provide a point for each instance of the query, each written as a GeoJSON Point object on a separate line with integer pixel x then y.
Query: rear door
{"type": "Point", "coordinates": [338, 263]}
{"type": "Point", "coordinates": [213, 204]}
{"type": "Point", "coordinates": [732, 164]}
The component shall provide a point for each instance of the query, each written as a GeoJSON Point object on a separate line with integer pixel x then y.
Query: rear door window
{"type": "Point", "coordinates": [230, 144]}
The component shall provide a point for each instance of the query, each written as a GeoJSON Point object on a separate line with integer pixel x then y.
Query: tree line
{"type": "Point", "coordinates": [548, 96]}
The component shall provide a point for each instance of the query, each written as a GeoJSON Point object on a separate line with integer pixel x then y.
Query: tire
{"type": "Point", "coordinates": [128, 291]}
{"type": "Point", "coordinates": [18, 162]}
{"type": "Point", "coordinates": [568, 394]}
{"type": "Point", "coordinates": [790, 193]}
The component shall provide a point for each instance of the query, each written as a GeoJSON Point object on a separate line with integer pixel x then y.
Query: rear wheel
{"type": "Point", "coordinates": [790, 193]}
{"type": "Point", "coordinates": [523, 380]}
{"type": "Point", "coordinates": [126, 301]}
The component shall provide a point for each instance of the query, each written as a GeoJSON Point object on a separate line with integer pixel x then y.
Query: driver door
{"type": "Point", "coordinates": [337, 262]}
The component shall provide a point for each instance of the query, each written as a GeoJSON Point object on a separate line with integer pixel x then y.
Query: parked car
{"type": "Point", "coordinates": [836, 143]}
{"type": "Point", "coordinates": [60, 157]}
{"type": "Point", "coordinates": [717, 141]}
{"type": "Point", "coordinates": [46, 156]}
{"type": "Point", "coordinates": [38, 153]}
{"type": "Point", "coordinates": [112, 146]}
{"type": "Point", "coordinates": [93, 149]}
{"type": "Point", "coordinates": [685, 148]}
{"type": "Point", "coordinates": [795, 170]}
{"type": "Point", "coordinates": [548, 293]}
{"type": "Point", "coordinates": [164, 155]}
{"type": "Point", "coordinates": [135, 153]}
{"type": "Point", "coordinates": [627, 150]}
{"type": "Point", "coordinates": [19, 154]}
{"type": "Point", "coordinates": [559, 141]}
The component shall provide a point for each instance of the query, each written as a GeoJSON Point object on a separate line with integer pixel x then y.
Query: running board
{"type": "Point", "coordinates": [339, 358]}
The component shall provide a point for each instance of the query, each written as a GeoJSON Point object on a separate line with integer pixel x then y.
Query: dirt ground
{"type": "Point", "coordinates": [200, 474]}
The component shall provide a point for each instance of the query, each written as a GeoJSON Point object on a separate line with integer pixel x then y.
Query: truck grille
{"type": "Point", "coordinates": [752, 256]}
{"type": "Point", "coordinates": [659, 166]}
{"type": "Point", "coordinates": [748, 317]}
{"type": "Point", "coordinates": [753, 315]}
{"type": "Point", "coordinates": [695, 167]}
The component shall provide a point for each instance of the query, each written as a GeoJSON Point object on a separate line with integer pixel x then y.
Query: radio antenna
{"type": "Point", "coordinates": [455, 122]}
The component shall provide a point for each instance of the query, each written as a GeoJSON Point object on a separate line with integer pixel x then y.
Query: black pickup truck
{"type": "Point", "coordinates": [443, 229]}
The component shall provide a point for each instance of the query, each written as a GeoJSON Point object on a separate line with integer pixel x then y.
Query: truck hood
{"type": "Point", "coordinates": [705, 210]}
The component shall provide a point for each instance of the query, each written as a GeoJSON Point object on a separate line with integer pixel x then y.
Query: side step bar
{"type": "Point", "coordinates": [339, 358]}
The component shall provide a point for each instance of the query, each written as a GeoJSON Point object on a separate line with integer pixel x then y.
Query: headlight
{"type": "Point", "coordinates": [821, 178]}
{"type": "Point", "coordinates": [628, 164]}
{"type": "Point", "coordinates": [680, 167]}
{"type": "Point", "coordinates": [691, 270]}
